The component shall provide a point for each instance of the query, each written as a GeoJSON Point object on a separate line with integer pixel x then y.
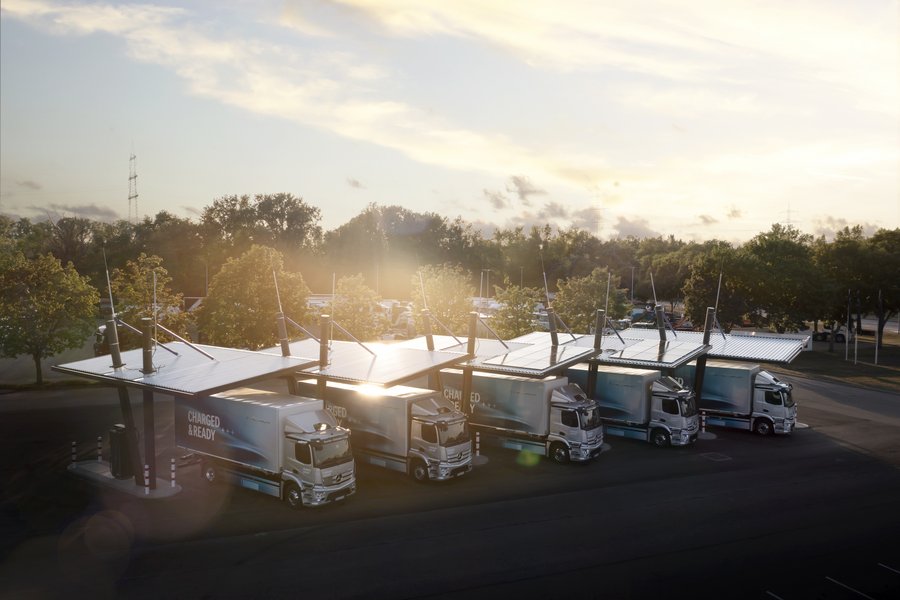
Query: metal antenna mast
{"type": "Point", "coordinates": [132, 189]}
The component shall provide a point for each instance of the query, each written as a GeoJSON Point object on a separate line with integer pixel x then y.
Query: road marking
{"type": "Point", "coordinates": [801, 426]}
{"type": "Point", "coordinates": [715, 456]}
{"type": "Point", "coordinates": [847, 587]}
{"type": "Point", "coordinates": [889, 569]}
{"type": "Point", "coordinates": [774, 595]}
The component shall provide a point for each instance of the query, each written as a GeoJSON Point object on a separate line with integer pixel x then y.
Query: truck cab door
{"type": "Point", "coordinates": [565, 422]}
{"type": "Point", "coordinates": [299, 459]}
{"type": "Point", "coordinates": [772, 403]}
{"type": "Point", "coordinates": [664, 411]}
{"type": "Point", "coordinates": [425, 438]}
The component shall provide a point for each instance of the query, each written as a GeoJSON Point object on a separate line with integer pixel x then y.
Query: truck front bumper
{"type": "Point", "coordinates": [683, 438]}
{"type": "Point", "coordinates": [785, 427]}
{"type": "Point", "coordinates": [585, 452]}
{"type": "Point", "coordinates": [445, 471]}
{"type": "Point", "coordinates": [320, 495]}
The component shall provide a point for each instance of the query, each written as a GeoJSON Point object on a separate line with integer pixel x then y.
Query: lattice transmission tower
{"type": "Point", "coordinates": [132, 189]}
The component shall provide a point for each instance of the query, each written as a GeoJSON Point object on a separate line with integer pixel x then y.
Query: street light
{"type": "Point", "coordinates": [632, 285]}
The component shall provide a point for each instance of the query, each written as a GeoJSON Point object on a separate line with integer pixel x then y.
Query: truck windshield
{"type": "Point", "coordinates": [788, 398]}
{"type": "Point", "coordinates": [454, 433]}
{"type": "Point", "coordinates": [590, 418]}
{"type": "Point", "coordinates": [332, 453]}
{"type": "Point", "coordinates": [688, 406]}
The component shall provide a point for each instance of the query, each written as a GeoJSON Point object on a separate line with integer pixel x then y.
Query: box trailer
{"type": "Point", "coordinates": [546, 416]}
{"type": "Point", "coordinates": [744, 396]}
{"type": "Point", "coordinates": [406, 429]}
{"type": "Point", "coordinates": [642, 404]}
{"type": "Point", "coordinates": [285, 446]}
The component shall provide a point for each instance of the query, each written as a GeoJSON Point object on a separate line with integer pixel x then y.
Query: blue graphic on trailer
{"type": "Point", "coordinates": [222, 428]}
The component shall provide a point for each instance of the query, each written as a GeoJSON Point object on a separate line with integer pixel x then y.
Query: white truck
{"type": "Point", "coordinates": [642, 404]}
{"type": "Point", "coordinates": [406, 429]}
{"type": "Point", "coordinates": [546, 416]}
{"type": "Point", "coordinates": [744, 396]}
{"type": "Point", "coordinates": [281, 445]}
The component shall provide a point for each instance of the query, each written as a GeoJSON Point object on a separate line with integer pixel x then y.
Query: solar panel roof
{"type": "Point", "coordinates": [391, 364]}
{"type": "Point", "coordinates": [643, 353]}
{"type": "Point", "coordinates": [760, 348]}
{"type": "Point", "coordinates": [535, 357]}
{"type": "Point", "coordinates": [188, 372]}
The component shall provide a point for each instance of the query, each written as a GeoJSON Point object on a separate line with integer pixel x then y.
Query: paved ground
{"type": "Point", "coordinates": [813, 515]}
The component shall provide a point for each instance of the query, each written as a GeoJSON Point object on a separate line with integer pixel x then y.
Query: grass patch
{"type": "Point", "coordinates": [55, 384]}
{"type": "Point", "coordinates": [832, 366]}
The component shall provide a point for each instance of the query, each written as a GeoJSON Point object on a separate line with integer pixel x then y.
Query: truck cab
{"type": "Point", "coordinates": [440, 437]}
{"type": "Point", "coordinates": [284, 446]}
{"type": "Point", "coordinates": [406, 429]}
{"type": "Point", "coordinates": [576, 432]}
{"type": "Point", "coordinates": [674, 419]}
{"type": "Point", "coordinates": [317, 459]}
{"type": "Point", "coordinates": [774, 408]}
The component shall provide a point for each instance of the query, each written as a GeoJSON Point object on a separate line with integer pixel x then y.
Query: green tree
{"type": "Point", "coordinates": [45, 308]}
{"type": "Point", "coordinates": [447, 293]}
{"type": "Point", "coordinates": [355, 308]}
{"type": "Point", "coordinates": [242, 304]}
{"type": "Point", "coordinates": [180, 245]}
{"type": "Point", "coordinates": [885, 284]}
{"type": "Point", "coordinates": [579, 299]}
{"type": "Point", "coordinates": [701, 290]}
{"type": "Point", "coordinates": [515, 316]}
{"type": "Point", "coordinates": [232, 224]}
{"type": "Point", "coordinates": [141, 290]}
{"type": "Point", "coordinates": [783, 278]}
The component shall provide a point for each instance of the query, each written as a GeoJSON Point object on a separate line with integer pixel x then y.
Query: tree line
{"type": "Point", "coordinates": [233, 255]}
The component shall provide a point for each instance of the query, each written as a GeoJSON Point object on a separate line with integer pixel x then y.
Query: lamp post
{"type": "Point", "coordinates": [488, 282]}
{"type": "Point", "coordinates": [632, 285]}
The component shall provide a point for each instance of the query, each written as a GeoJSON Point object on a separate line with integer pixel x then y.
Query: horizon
{"type": "Point", "coordinates": [700, 121]}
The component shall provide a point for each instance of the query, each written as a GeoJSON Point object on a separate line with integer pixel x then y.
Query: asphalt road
{"type": "Point", "coordinates": [812, 515]}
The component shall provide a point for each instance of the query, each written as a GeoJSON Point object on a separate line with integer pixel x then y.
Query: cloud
{"type": "Point", "coordinates": [708, 220]}
{"type": "Point", "coordinates": [497, 200]}
{"type": "Point", "coordinates": [733, 213]}
{"type": "Point", "coordinates": [86, 211]}
{"type": "Point", "coordinates": [29, 184]}
{"type": "Point", "coordinates": [191, 210]}
{"type": "Point", "coordinates": [333, 90]}
{"type": "Point", "coordinates": [829, 226]}
{"type": "Point", "coordinates": [523, 188]}
{"type": "Point", "coordinates": [354, 183]}
{"type": "Point", "coordinates": [636, 227]}
{"type": "Point", "coordinates": [678, 42]}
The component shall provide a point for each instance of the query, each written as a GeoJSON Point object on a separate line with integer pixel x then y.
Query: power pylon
{"type": "Point", "coordinates": [132, 189]}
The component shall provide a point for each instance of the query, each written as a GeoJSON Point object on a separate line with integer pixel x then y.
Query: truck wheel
{"type": "Point", "coordinates": [559, 453]}
{"type": "Point", "coordinates": [419, 471]}
{"type": "Point", "coordinates": [763, 427]}
{"type": "Point", "coordinates": [292, 496]}
{"type": "Point", "coordinates": [660, 438]}
{"type": "Point", "coordinates": [208, 473]}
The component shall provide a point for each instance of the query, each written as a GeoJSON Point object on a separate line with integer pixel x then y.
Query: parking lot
{"type": "Point", "coordinates": [735, 516]}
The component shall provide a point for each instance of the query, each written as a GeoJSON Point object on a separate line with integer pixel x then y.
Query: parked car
{"type": "Point", "coordinates": [840, 335]}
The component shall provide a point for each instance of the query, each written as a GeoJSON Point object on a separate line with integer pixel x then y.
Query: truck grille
{"type": "Point", "coordinates": [458, 455]}
{"type": "Point", "coordinates": [337, 478]}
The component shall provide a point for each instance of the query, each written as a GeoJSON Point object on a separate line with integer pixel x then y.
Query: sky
{"type": "Point", "coordinates": [700, 119]}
